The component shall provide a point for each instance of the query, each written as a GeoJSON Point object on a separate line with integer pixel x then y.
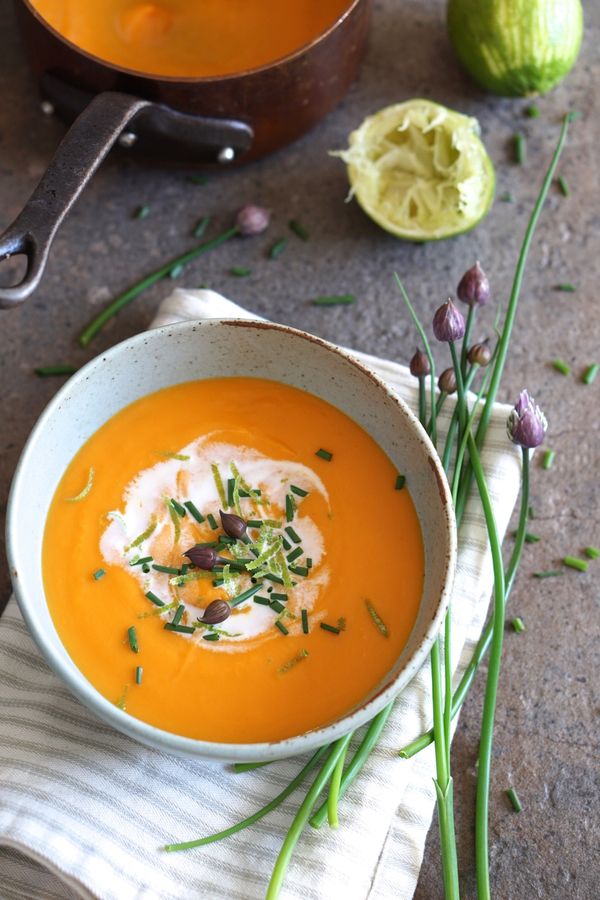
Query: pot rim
{"type": "Point", "coordinates": [190, 80]}
{"type": "Point", "coordinates": [170, 742]}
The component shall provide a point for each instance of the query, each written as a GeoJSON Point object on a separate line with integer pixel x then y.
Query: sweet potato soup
{"type": "Point", "coordinates": [190, 39]}
{"type": "Point", "coordinates": [233, 560]}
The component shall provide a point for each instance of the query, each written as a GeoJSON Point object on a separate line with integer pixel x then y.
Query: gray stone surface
{"type": "Point", "coordinates": [547, 724]}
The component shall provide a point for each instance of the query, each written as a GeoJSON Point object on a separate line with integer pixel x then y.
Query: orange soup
{"type": "Point", "coordinates": [251, 493]}
{"type": "Point", "coordinates": [190, 39]}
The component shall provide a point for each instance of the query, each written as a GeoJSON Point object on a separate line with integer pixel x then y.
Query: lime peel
{"type": "Point", "coordinates": [420, 170]}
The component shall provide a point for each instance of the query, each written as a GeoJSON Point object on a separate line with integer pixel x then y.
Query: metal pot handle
{"type": "Point", "coordinates": [79, 154]}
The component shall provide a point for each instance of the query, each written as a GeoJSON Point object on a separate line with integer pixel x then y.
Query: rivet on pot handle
{"type": "Point", "coordinates": [102, 123]}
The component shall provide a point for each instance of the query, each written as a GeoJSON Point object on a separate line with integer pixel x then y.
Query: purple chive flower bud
{"type": "Point", "coordinates": [203, 557]}
{"type": "Point", "coordinates": [216, 612]}
{"type": "Point", "coordinates": [232, 524]}
{"type": "Point", "coordinates": [474, 287]}
{"type": "Point", "coordinates": [480, 354]}
{"type": "Point", "coordinates": [447, 381]}
{"type": "Point", "coordinates": [448, 322]}
{"type": "Point", "coordinates": [252, 220]}
{"type": "Point", "coordinates": [526, 424]}
{"type": "Point", "coordinates": [419, 364]}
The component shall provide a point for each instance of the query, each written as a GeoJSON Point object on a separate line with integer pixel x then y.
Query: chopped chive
{"type": "Point", "coordinates": [179, 509]}
{"type": "Point", "coordinates": [286, 544]}
{"type": "Point", "coordinates": [98, 574]}
{"type": "Point", "coordinates": [277, 248]}
{"type": "Point", "coordinates": [132, 637]}
{"type": "Point", "coordinates": [141, 212]}
{"type": "Point", "coordinates": [85, 491]}
{"type": "Point", "coordinates": [245, 595]}
{"type": "Point", "coordinates": [200, 178]}
{"type": "Point", "coordinates": [532, 111]}
{"type": "Point", "coordinates": [218, 582]}
{"type": "Point", "coordinates": [530, 512]}
{"type": "Point", "coordinates": [181, 629]}
{"type": "Point", "coordinates": [282, 597]}
{"type": "Point", "coordinates": [275, 578]}
{"type": "Point", "coordinates": [240, 271]}
{"type": "Point", "coordinates": [168, 570]}
{"type": "Point", "coordinates": [378, 621]}
{"type": "Point", "coordinates": [154, 599]}
{"type": "Point", "coordinates": [141, 561]}
{"type": "Point", "coordinates": [300, 492]}
{"type": "Point", "coordinates": [262, 601]}
{"type": "Point", "coordinates": [309, 562]}
{"type": "Point", "coordinates": [298, 229]}
{"type": "Point", "coordinates": [48, 371]}
{"type": "Point", "coordinates": [178, 614]}
{"type": "Point", "coordinates": [145, 568]}
{"type": "Point", "coordinates": [305, 621]}
{"type": "Point", "coordinates": [293, 662]}
{"type": "Point", "coordinates": [548, 459]}
{"type": "Point", "coordinates": [518, 625]}
{"type": "Point", "coordinates": [573, 563]}
{"type": "Point", "coordinates": [281, 627]}
{"type": "Point", "coordinates": [292, 534]}
{"type": "Point", "coordinates": [194, 511]}
{"type": "Point", "coordinates": [253, 523]}
{"type": "Point", "coordinates": [559, 365]}
{"type": "Point", "coordinates": [565, 288]}
{"type": "Point", "coordinates": [209, 544]}
{"type": "Point", "coordinates": [514, 799]}
{"type": "Point", "coordinates": [563, 185]}
{"type": "Point", "coordinates": [230, 487]}
{"type": "Point", "coordinates": [590, 373]}
{"type": "Point", "coordinates": [331, 628]}
{"type": "Point", "coordinates": [334, 300]}
{"type": "Point", "coordinates": [400, 482]}
{"type": "Point", "coordinates": [138, 675]}
{"type": "Point", "coordinates": [531, 538]}
{"type": "Point", "coordinates": [289, 507]}
{"type": "Point", "coordinates": [176, 270]}
{"type": "Point", "coordinates": [201, 227]}
{"type": "Point", "coordinates": [144, 535]}
{"type": "Point", "coordinates": [324, 454]}
{"type": "Point", "coordinates": [299, 570]}
{"type": "Point", "coordinates": [277, 606]}
{"type": "Point", "coordinates": [226, 539]}
{"type": "Point", "coordinates": [507, 197]}
{"type": "Point", "coordinates": [298, 551]}
{"type": "Point", "coordinates": [520, 148]}
{"type": "Point", "coordinates": [212, 521]}
{"type": "Point", "coordinates": [211, 636]}
{"type": "Point", "coordinates": [551, 573]}
{"type": "Point", "coordinates": [592, 552]}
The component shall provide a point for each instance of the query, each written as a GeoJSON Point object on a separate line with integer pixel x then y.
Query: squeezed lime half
{"type": "Point", "coordinates": [420, 170]}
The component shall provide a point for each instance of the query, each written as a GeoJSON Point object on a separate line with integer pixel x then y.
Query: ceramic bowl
{"type": "Point", "coordinates": [178, 353]}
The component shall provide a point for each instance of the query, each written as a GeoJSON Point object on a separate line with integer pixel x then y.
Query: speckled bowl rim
{"type": "Point", "coordinates": [170, 742]}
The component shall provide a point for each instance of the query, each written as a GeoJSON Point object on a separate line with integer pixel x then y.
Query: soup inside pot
{"type": "Point", "coordinates": [182, 38]}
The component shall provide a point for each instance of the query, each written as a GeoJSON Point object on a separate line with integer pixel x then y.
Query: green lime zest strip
{"type": "Point", "coordinates": [293, 662]}
{"type": "Point", "coordinates": [380, 624]}
{"type": "Point", "coordinates": [174, 519]}
{"type": "Point", "coordinates": [189, 576]}
{"type": "Point", "coordinates": [168, 455]}
{"type": "Point", "coordinates": [144, 535]}
{"type": "Point", "coordinates": [86, 489]}
{"type": "Point", "coordinates": [122, 701]}
{"type": "Point", "coordinates": [219, 485]}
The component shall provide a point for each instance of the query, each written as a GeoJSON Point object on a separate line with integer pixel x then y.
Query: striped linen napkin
{"type": "Point", "coordinates": [84, 810]}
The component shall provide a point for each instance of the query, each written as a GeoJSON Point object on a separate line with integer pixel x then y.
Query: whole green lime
{"type": "Point", "coordinates": [516, 48]}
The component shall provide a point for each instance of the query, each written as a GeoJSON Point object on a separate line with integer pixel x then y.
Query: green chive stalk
{"type": "Point", "coordinates": [303, 815]}
{"type": "Point", "coordinates": [465, 345]}
{"type": "Point", "coordinates": [512, 309]}
{"type": "Point", "coordinates": [334, 791]}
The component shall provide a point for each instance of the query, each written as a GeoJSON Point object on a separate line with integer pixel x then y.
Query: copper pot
{"type": "Point", "coordinates": [192, 121]}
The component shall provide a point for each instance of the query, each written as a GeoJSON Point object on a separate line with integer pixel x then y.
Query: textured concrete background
{"type": "Point", "coordinates": [547, 724]}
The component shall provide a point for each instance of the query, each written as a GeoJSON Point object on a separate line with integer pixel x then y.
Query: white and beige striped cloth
{"type": "Point", "coordinates": [84, 810]}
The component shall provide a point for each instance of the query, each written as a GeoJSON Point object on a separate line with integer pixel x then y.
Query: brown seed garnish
{"type": "Point", "coordinates": [216, 612]}
{"type": "Point", "coordinates": [233, 526]}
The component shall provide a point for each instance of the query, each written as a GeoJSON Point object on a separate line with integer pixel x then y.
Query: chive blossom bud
{"type": "Point", "coordinates": [252, 220]}
{"type": "Point", "coordinates": [419, 364]}
{"type": "Point", "coordinates": [526, 424]}
{"type": "Point", "coordinates": [448, 322]}
{"type": "Point", "coordinates": [480, 354]}
{"type": "Point", "coordinates": [232, 525]}
{"type": "Point", "coordinates": [216, 612]}
{"type": "Point", "coordinates": [474, 287]}
{"type": "Point", "coordinates": [203, 557]}
{"type": "Point", "coordinates": [447, 381]}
